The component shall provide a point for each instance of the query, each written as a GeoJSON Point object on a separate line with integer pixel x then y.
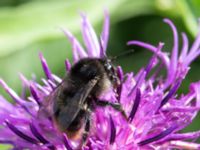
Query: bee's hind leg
{"type": "Point", "coordinates": [86, 131]}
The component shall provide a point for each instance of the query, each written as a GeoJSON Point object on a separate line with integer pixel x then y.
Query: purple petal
{"type": "Point", "coordinates": [171, 93]}
{"type": "Point", "coordinates": [24, 79]}
{"type": "Point", "coordinates": [5, 106]}
{"type": "Point", "coordinates": [52, 84]}
{"type": "Point", "coordinates": [150, 65]}
{"type": "Point", "coordinates": [195, 46]}
{"type": "Point", "coordinates": [185, 47]}
{"type": "Point", "coordinates": [184, 145]}
{"type": "Point", "coordinates": [43, 89]}
{"type": "Point", "coordinates": [90, 38]}
{"type": "Point", "coordinates": [174, 56]}
{"type": "Point", "coordinates": [152, 48]}
{"type": "Point", "coordinates": [135, 105]}
{"type": "Point", "coordinates": [46, 69]}
{"type": "Point", "coordinates": [34, 94]}
{"type": "Point", "coordinates": [21, 134]}
{"type": "Point", "coordinates": [191, 57]}
{"type": "Point", "coordinates": [56, 78]}
{"type": "Point", "coordinates": [140, 80]}
{"type": "Point", "coordinates": [105, 32]}
{"type": "Point", "coordinates": [76, 57]}
{"type": "Point", "coordinates": [112, 131]}
{"type": "Point", "coordinates": [158, 137]}
{"type": "Point", "coordinates": [120, 73]}
{"type": "Point", "coordinates": [12, 93]}
{"type": "Point", "coordinates": [67, 65]}
{"type": "Point", "coordinates": [40, 137]}
{"type": "Point", "coordinates": [181, 109]}
{"type": "Point", "coordinates": [183, 136]}
{"type": "Point", "coordinates": [77, 48]}
{"type": "Point", "coordinates": [66, 142]}
{"type": "Point", "coordinates": [102, 53]}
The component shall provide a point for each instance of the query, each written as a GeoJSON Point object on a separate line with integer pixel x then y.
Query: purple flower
{"type": "Point", "coordinates": [156, 114]}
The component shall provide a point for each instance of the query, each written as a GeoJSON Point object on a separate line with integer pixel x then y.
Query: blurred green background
{"type": "Point", "coordinates": [30, 26]}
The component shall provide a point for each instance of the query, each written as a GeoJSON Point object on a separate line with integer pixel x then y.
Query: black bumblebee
{"type": "Point", "coordinates": [77, 95]}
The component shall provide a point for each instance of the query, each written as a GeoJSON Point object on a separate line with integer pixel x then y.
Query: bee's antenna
{"type": "Point", "coordinates": [122, 54]}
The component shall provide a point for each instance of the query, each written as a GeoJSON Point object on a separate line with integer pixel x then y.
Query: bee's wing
{"type": "Point", "coordinates": [69, 112]}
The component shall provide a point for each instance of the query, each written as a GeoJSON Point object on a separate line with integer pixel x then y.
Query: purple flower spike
{"type": "Point", "coordinates": [21, 134]}
{"type": "Point", "coordinates": [156, 113]}
{"type": "Point", "coordinates": [158, 137]}
{"type": "Point", "coordinates": [78, 51]}
{"type": "Point", "coordinates": [112, 131]}
{"type": "Point", "coordinates": [90, 38]}
{"type": "Point", "coordinates": [67, 65]}
{"type": "Point", "coordinates": [40, 137]}
{"type": "Point", "coordinates": [135, 106]}
{"type": "Point", "coordinates": [34, 94]}
{"type": "Point", "coordinates": [170, 94]}
{"type": "Point", "coordinates": [46, 69]}
{"type": "Point", "coordinates": [105, 33]}
{"type": "Point", "coordinates": [66, 143]}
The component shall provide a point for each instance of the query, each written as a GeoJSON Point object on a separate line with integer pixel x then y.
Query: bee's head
{"type": "Point", "coordinates": [111, 72]}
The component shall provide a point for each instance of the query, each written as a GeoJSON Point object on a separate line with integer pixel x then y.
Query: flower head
{"type": "Point", "coordinates": [156, 114]}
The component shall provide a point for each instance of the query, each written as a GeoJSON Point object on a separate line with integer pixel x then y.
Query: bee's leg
{"type": "Point", "coordinates": [85, 134]}
{"type": "Point", "coordinates": [116, 106]}
{"type": "Point", "coordinates": [86, 131]}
